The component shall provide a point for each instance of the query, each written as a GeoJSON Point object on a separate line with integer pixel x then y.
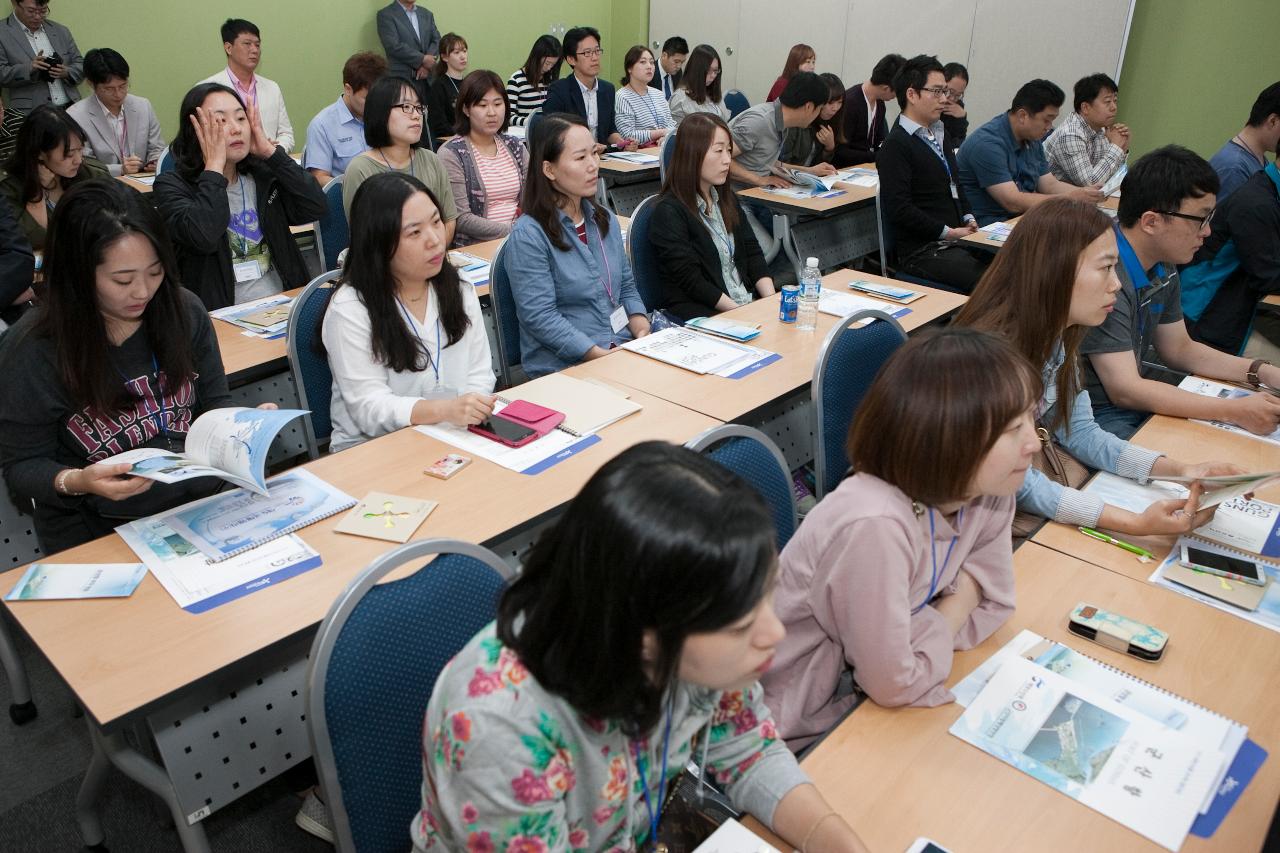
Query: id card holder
{"type": "Point", "coordinates": [246, 271]}
{"type": "Point", "coordinates": [618, 319]}
{"type": "Point", "coordinates": [955, 191]}
{"type": "Point", "coordinates": [442, 392]}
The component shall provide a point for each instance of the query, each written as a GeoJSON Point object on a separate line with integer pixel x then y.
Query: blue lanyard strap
{"type": "Point", "coordinates": [413, 327]}
{"type": "Point", "coordinates": [652, 110]}
{"type": "Point", "coordinates": [159, 416]}
{"type": "Point", "coordinates": [933, 556]}
{"type": "Point", "coordinates": [641, 761]}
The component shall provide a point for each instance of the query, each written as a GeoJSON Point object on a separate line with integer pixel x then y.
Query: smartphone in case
{"type": "Point", "coordinates": [499, 429]}
{"type": "Point", "coordinates": [1222, 565]}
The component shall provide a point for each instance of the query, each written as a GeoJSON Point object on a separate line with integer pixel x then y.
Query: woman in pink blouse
{"type": "Point", "coordinates": [486, 165]}
{"type": "Point", "coordinates": [911, 557]}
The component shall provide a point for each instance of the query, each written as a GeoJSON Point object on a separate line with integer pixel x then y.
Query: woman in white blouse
{"type": "Point", "coordinates": [641, 113]}
{"type": "Point", "coordinates": [404, 336]}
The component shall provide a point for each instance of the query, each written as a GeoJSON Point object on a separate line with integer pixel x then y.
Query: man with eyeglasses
{"type": "Point", "coordinates": [583, 93]}
{"type": "Point", "coordinates": [924, 210]}
{"type": "Point", "coordinates": [39, 64]}
{"type": "Point", "coordinates": [1166, 205]}
{"type": "Point", "coordinates": [121, 129]}
{"type": "Point", "coordinates": [1089, 146]}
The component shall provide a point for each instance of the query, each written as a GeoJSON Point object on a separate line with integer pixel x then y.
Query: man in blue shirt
{"type": "Point", "coordinates": [1246, 152]}
{"type": "Point", "coordinates": [1003, 168]}
{"type": "Point", "coordinates": [336, 134]}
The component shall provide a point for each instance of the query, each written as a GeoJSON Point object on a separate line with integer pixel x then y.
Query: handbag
{"type": "Point", "coordinates": [692, 811]}
{"type": "Point", "coordinates": [1056, 464]}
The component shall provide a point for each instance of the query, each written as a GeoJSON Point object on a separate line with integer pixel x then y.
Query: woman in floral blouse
{"type": "Point", "coordinates": [631, 643]}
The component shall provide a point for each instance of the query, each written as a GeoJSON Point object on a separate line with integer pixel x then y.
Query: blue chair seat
{"type": "Point", "coordinates": [750, 454]}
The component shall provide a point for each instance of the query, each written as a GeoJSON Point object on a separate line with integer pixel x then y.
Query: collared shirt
{"type": "Point", "coordinates": [992, 155]}
{"type": "Point", "coordinates": [334, 137]}
{"type": "Point", "coordinates": [589, 99]}
{"type": "Point", "coordinates": [412, 12]}
{"type": "Point", "coordinates": [1080, 155]}
{"type": "Point", "coordinates": [40, 43]}
{"type": "Point", "coordinates": [714, 220]}
{"type": "Point", "coordinates": [758, 131]}
{"type": "Point", "coordinates": [119, 128]}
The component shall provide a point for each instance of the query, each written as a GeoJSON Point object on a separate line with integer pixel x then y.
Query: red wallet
{"type": "Point", "coordinates": [540, 419]}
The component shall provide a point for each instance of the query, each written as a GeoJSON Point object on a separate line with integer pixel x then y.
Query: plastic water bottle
{"type": "Point", "coordinates": [810, 290]}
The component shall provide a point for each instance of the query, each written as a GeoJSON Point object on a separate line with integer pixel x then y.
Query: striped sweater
{"type": "Point", "coordinates": [524, 97]}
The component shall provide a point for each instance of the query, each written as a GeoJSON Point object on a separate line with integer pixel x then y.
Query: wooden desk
{"type": "Point", "coordinates": [835, 230]}
{"type": "Point", "coordinates": [1183, 440]}
{"type": "Point", "coordinates": [628, 184]}
{"type": "Point", "coordinates": [815, 206]}
{"type": "Point", "coordinates": [612, 166]}
{"type": "Point", "coordinates": [980, 239]}
{"type": "Point", "coordinates": [895, 774]}
{"type": "Point", "coordinates": [247, 356]}
{"type": "Point", "coordinates": [736, 399]}
{"type": "Point", "coordinates": [1273, 299]}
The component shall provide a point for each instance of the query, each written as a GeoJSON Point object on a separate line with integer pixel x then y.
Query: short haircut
{"type": "Point", "coordinates": [1037, 96]}
{"type": "Point", "coordinates": [1267, 104]}
{"type": "Point", "coordinates": [661, 539]}
{"type": "Point", "coordinates": [474, 88]}
{"type": "Point", "coordinates": [914, 74]}
{"type": "Point", "coordinates": [935, 410]}
{"type": "Point", "coordinates": [1089, 88]}
{"type": "Point", "coordinates": [37, 2]}
{"type": "Point", "coordinates": [675, 46]}
{"type": "Point", "coordinates": [575, 36]}
{"type": "Point", "coordinates": [694, 78]}
{"type": "Point", "coordinates": [804, 87]}
{"type": "Point", "coordinates": [953, 70]}
{"type": "Point", "coordinates": [634, 55]}
{"type": "Point", "coordinates": [383, 95]}
{"type": "Point", "coordinates": [1162, 180]}
{"type": "Point", "coordinates": [233, 28]}
{"type": "Point", "coordinates": [362, 69]}
{"type": "Point", "coordinates": [103, 63]}
{"type": "Point", "coordinates": [887, 69]}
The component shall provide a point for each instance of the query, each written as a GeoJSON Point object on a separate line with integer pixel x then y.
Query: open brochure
{"type": "Point", "coordinates": [841, 304]}
{"type": "Point", "coordinates": [701, 353]}
{"type": "Point", "coordinates": [826, 183]}
{"type": "Point", "coordinates": [267, 317]}
{"type": "Point", "coordinates": [1209, 388]}
{"type": "Point", "coordinates": [230, 443]}
{"type": "Point", "coordinates": [1112, 186]}
{"type": "Point", "coordinates": [1135, 497]}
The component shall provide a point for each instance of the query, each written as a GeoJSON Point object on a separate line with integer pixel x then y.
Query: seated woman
{"type": "Point", "coordinates": [393, 132]}
{"type": "Point", "coordinates": [116, 356]}
{"type": "Point", "coordinates": [708, 257]}
{"type": "Point", "coordinates": [445, 82]}
{"type": "Point", "coordinates": [48, 159]}
{"type": "Point", "coordinates": [911, 556]}
{"type": "Point", "coordinates": [229, 203]}
{"type": "Point", "coordinates": [1061, 258]}
{"type": "Point", "coordinates": [631, 641]}
{"type": "Point", "coordinates": [699, 90]}
{"type": "Point", "coordinates": [821, 141]}
{"type": "Point", "coordinates": [571, 280]}
{"type": "Point", "coordinates": [641, 113]}
{"type": "Point", "coordinates": [527, 85]}
{"type": "Point", "coordinates": [801, 57]}
{"type": "Point", "coordinates": [404, 336]}
{"type": "Point", "coordinates": [485, 164]}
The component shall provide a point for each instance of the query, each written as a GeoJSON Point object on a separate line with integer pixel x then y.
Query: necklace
{"type": "Point", "coordinates": [1237, 140]}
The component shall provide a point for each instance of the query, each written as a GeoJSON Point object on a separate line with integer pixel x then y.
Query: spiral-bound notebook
{"type": "Point", "coordinates": [229, 523]}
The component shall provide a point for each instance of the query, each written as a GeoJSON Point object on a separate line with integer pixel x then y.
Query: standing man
{"type": "Point", "coordinates": [39, 64]}
{"type": "Point", "coordinates": [1089, 147]}
{"type": "Point", "coordinates": [583, 93]}
{"type": "Point", "coordinates": [1246, 152]}
{"type": "Point", "coordinates": [121, 129]}
{"type": "Point", "coordinates": [336, 134]}
{"type": "Point", "coordinates": [243, 45]}
{"type": "Point", "coordinates": [411, 41]}
{"type": "Point", "coordinates": [675, 51]}
{"type": "Point", "coordinates": [865, 127]}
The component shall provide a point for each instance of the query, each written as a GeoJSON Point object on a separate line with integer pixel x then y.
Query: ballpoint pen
{"type": "Point", "coordinates": [1143, 553]}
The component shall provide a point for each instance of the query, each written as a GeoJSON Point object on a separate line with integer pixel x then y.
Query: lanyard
{"type": "Point", "coordinates": [250, 92]}
{"type": "Point", "coordinates": [641, 761]}
{"type": "Point", "coordinates": [159, 416]}
{"type": "Point", "coordinates": [413, 327]}
{"type": "Point", "coordinates": [393, 168]}
{"type": "Point", "coordinates": [933, 555]}
{"type": "Point", "coordinates": [653, 111]}
{"type": "Point", "coordinates": [604, 256]}
{"type": "Point", "coordinates": [936, 148]}
{"type": "Point", "coordinates": [244, 209]}
{"type": "Point", "coordinates": [124, 134]}
{"type": "Point", "coordinates": [715, 235]}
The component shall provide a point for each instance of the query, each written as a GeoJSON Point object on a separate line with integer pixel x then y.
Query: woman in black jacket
{"type": "Point", "coordinates": [708, 258]}
{"type": "Point", "coordinates": [231, 200]}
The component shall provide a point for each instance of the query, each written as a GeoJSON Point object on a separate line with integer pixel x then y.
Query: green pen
{"type": "Point", "coordinates": [1132, 549]}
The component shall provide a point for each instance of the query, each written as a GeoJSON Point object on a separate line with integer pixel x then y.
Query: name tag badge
{"type": "Point", "coordinates": [618, 319]}
{"type": "Point", "coordinates": [442, 392]}
{"type": "Point", "coordinates": [955, 191]}
{"type": "Point", "coordinates": [247, 271]}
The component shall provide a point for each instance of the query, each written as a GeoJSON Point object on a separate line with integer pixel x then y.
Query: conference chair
{"type": "Point", "coordinates": [374, 663]}
{"type": "Point", "coordinates": [665, 154]}
{"type": "Point", "coordinates": [332, 231]}
{"type": "Point", "coordinates": [885, 236]}
{"type": "Point", "coordinates": [533, 118]}
{"type": "Point", "coordinates": [166, 163]}
{"type": "Point", "coordinates": [751, 455]}
{"type": "Point", "coordinates": [644, 264]}
{"type": "Point", "coordinates": [736, 102]}
{"type": "Point", "coordinates": [505, 320]}
{"type": "Point", "coordinates": [310, 369]}
{"type": "Point", "coordinates": [848, 361]}
{"type": "Point", "coordinates": [20, 546]}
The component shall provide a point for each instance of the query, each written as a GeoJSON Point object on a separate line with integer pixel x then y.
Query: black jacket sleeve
{"type": "Point", "coordinates": [440, 113]}
{"type": "Point", "coordinates": [17, 261]}
{"type": "Point", "coordinates": [687, 289]}
{"type": "Point", "coordinates": [301, 195]}
{"type": "Point", "coordinates": [909, 222]}
{"type": "Point", "coordinates": [856, 148]}
{"type": "Point", "coordinates": [197, 215]}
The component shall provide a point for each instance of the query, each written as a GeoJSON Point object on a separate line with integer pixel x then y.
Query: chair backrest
{"type": "Point", "coordinates": [644, 263]}
{"type": "Point", "coordinates": [847, 363]}
{"type": "Point", "coordinates": [668, 150]}
{"type": "Point", "coordinates": [884, 235]}
{"type": "Point", "coordinates": [505, 320]}
{"type": "Point", "coordinates": [754, 457]}
{"type": "Point", "coordinates": [374, 663]}
{"type": "Point", "coordinates": [333, 234]}
{"type": "Point", "coordinates": [310, 369]}
{"type": "Point", "coordinates": [736, 102]}
{"type": "Point", "coordinates": [534, 118]}
{"type": "Point", "coordinates": [166, 162]}
{"type": "Point", "coordinates": [18, 542]}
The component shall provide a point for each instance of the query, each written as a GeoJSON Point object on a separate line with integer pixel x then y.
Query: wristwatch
{"type": "Point", "coordinates": [1251, 376]}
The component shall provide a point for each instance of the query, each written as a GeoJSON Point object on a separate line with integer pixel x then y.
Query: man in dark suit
{"type": "Point", "coordinates": [39, 64]}
{"type": "Point", "coordinates": [925, 210]}
{"type": "Point", "coordinates": [864, 124]}
{"type": "Point", "coordinates": [583, 93]}
{"type": "Point", "coordinates": [675, 51]}
{"type": "Point", "coordinates": [411, 41]}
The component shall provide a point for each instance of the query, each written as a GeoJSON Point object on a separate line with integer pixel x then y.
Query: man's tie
{"type": "Point", "coordinates": [666, 86]}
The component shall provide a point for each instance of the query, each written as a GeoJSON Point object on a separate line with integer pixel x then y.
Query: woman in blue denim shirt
{"type": "Point", "coordinates": [1055, 278]}
{"type": "Point", "coordinates": [575, 296]}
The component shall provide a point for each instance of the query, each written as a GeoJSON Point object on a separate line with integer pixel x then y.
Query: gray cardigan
{"type": "Point", "coordinates": [468, 189]}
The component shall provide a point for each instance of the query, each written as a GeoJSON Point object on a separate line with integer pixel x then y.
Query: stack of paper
{"type": "Point", "coordinates": [634, 157]}
{"type": "Point", "coordinates": [471, 269]}
{"type": "Point", "coordinates": [1266, 613]}
{"type": "Point", "coordinates": [264, 318]}
{"type": "Point", "coordinates": [701, 353]}
{"type": "Point", "coordinates": [840, 304]}
{"type": "Point", "coordinates": [532, 458]}
{"type": "Point", "coordinates": [997, 232]}
{"type": "Point", "coordinates": [724, 328]}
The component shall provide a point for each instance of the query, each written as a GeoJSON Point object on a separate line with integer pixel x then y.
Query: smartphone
{"type": "Point", "coordinates": [1117, 632]}
{"type": "Point", "coordinates": [1234, 568]}
{"type": "Point", "coordinates": [503, 431]}
{"type": "Point", "coordinates": [446, 466]}
{"type": "Point", "coordinates": [924, 845]}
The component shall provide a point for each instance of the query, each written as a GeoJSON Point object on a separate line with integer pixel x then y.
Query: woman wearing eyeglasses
{"type": "Point", "coordinates": [393, 124]}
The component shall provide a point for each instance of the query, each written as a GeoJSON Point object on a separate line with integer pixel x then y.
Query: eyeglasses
{"type": "Point", "coordinates": [940, 91]}
{"type": "Point", "coordinates": [1203, 220]}
{"type": "Point", "coordinates": [591, 53]}
{"type": "Point", "coordinates": [409, 109]}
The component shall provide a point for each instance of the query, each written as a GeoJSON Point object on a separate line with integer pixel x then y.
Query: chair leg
{"type": "Point", "coordinates": [22, 710]}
